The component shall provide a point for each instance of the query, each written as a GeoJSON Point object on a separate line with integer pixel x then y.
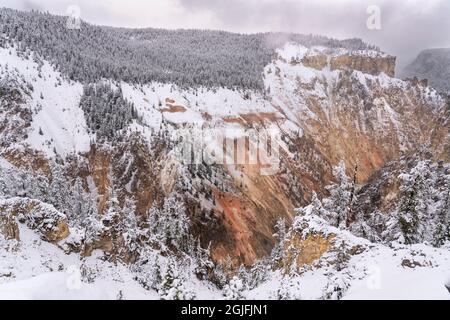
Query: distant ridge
{"type": "Point", "coordinates": [188, 58]}
{"type": "Point", "coordinates": [434, 65]}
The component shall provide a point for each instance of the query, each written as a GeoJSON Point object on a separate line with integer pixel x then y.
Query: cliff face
{"type": "Point", "coordinates": [356, 116]}
{"type": "Point", "coordinates": [369, 65]}
{"type": "Point", "coordinates": [327, 106]}
{"type": "Point", "coordinates": [366, 64]}
{"type": "Point", "coordinates": [352, 111]}
{"type": "Point", "coordinates": [46, 220]}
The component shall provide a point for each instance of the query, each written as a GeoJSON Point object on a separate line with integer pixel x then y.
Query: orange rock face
{"type": "Point", "coordinates": [51, 224]}
{"type": "Point", "coordinates": [373, 66]}
{"type": "Point", "coordinates": [318, 62]}
{"type": "Point", "coordinates": [300, 252]}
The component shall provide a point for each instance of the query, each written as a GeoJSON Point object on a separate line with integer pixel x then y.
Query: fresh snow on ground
{"type": "Point", "coordinates": [58, 122]}
{"type": "Point", "coordinates": [35, 269]}
{"type": "Point", "coordinates": [61, 285]}
{"type": "Point", "coordinates": [378, 272]}
{"type": "Point", "coordinates": [40, 270]}
{"type": "Point", "coordinates": [375, 274]}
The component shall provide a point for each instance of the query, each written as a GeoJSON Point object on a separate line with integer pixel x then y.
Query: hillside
{"type": "Point", "coordinates": [434, 65]}
{"type": "Point", "coordinates": [197, 164]}
{"type": "Point", "coordinates": [189, 58]}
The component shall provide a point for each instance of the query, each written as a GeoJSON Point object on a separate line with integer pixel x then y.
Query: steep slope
{"type": "Point", "coordinates": [186, 179]}
{"type": "Point", "coordinates": [324, 109]}
{"type": "Point", "coordinates": [323, 262]}
{"type": "Point", "coordinates": [188, 58]}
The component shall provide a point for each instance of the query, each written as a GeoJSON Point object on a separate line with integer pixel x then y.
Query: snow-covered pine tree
{"type": "Point", "coordinates": [22, 184]}
{"type": "Point", "coordinates": [234, 290]}
{"type": "Point", "coordinates": [318, 209]}
{"type": "Point", "coordinates": [3, 183]}
{"type": "Point", "coordinates": [413, 205]}
{"type": "Point", "coordinates": [148, 269]}
{"type": "Point", "coordinates": [60, 190]}
{"type": "Point", "coordinates": [341, 193]}
{"type": "Point", "coordinates": [202, 259]}
{"type": "Point", "coordinates": [130, 225]}
{"type": "Point", "coordinates": [289, 289]}
{"type": "Point", "coordinates": [82, 204]}
{"type": "Point", "coordinates": [336, 287]}
{"type": "Point", "coordinates": [280, 235]}
{"type": "Point", "coordinates": [170, 225]}
{"type": "Point", "coordinates": [113, 222]}
{"type": "Point", "coordinates": [40, 188]}
{"type": "Point", "coordinates": [258, 273]}
{"type": "Point", "coordinates": [172, 287]}
{"type": "Point", "coordinates": [154, 220]}
{"type": "Point", "coordinates": [441, 232]}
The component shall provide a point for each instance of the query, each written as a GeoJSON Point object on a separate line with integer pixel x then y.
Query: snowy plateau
{"type": "Point", "coordinates": [95, 204]}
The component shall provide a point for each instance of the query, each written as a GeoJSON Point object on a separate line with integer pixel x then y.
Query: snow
{"type": "Point", "coordinates": [58, 114]}
{"type": "Point", "coordinates": [378, 272]}
{"type": "Point", "coordinates": [296, 51]}
{"type": "Point", "coordinates": [292, 50]}
{"type": "Point", "coordinates": [218, 103]}
{"type": "Point", "coordinates": [38, 270]}
{"type": "Point", "coordinates": [398, 282]}
{"type": "Point", "coordinates": [369, 53]}
{"type": "Point", "coordinates": [4, 164]}
{"type": "Point", "coordinates": [57, 286]}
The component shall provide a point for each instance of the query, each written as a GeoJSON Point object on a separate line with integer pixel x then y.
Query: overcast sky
{"type": "Point", "coordinates": [407, 26]}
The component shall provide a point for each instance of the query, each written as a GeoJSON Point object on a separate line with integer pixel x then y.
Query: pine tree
{"type": "Point", "coordinates": [336, 287]}
{"type": "Point", "coordinates": [113, 221]}
{"type": "Point", "coordinates": [40, 188]}
{"type": "Point", "coordinates": [203, 262]}
{"type": "Point", "coordinates": [23, 184]}
{"type": "Point", "coordinates": [155, 222]}
{"type": "Point", "coordinates": [3, 183]}
{"type": "Point", "coordinates": [172, 285]}
{"type": "Point", "coordinates": [441, 232]}
{"type": "Point", "coordinates": [340, 197]}
{"type": "Point", "coordinates": [82, 204]}
{"type": "Point", "coordinates": [170, 225]}
{"type": "Point", "coordinates": [280, 235]}
{"type": "Point", "coordinates": [289, 289]}
{"type": "Point", "coordinates": [93, 229]}
{"type": "Point", "coordinates": [234, 289]}
{"type": "Point", "coordinates": [60, 190]}
{"type": "Point", "coordinates": [413, 204]}
{"type": "Point", "coordinates": [130, 225]}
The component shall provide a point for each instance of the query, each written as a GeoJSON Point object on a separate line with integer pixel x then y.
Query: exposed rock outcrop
{"type": "Point", "coordinates": [329, 105]}
{"type": "Point", "coordinates": [366, 64]}
{"type": "Point", "coordinates": [9, 228]}
{"type": "Point", "coordinates": [45, 219]}
{"type": "Point", "coordinates": [317, 62]}
{"type": "Point", "coordinates": [369, 65]}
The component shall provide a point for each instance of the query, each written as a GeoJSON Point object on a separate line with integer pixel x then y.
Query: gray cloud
{"type": "Point", "coordinates": [408, 26]}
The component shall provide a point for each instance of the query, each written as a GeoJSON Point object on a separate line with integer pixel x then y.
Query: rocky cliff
{"type": "Point", "coordinates": [327, 104]}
